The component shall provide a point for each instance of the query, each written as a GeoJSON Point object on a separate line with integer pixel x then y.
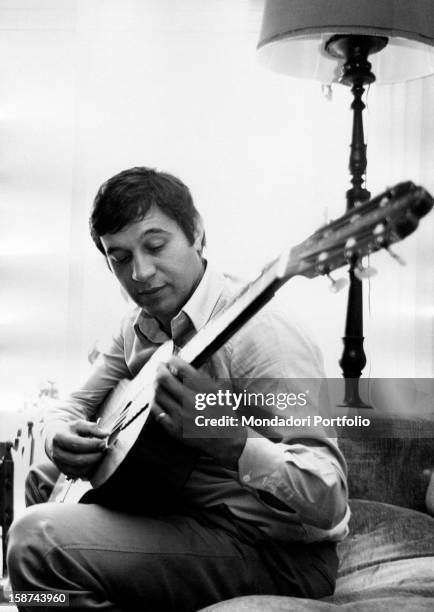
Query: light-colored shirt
{"type": "Point", "coordinates": [291, 489]}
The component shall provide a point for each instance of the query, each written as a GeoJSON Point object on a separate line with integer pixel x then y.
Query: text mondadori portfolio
{"type": "Point", "coordinates": [279, 421]}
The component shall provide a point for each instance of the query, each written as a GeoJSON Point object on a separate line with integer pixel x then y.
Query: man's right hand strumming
{"type": "Point", "coordinates": [77, 447]}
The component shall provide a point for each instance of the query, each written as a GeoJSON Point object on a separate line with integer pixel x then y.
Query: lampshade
{"type": "Point", "coordinates": [294, 34]}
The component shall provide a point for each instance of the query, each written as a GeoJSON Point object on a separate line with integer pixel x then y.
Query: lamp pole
{"type": "Point", "coordinates": [355, 49]}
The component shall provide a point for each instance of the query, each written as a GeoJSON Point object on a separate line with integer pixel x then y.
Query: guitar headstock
{"type": "Point", "coordinates": [367, 228]}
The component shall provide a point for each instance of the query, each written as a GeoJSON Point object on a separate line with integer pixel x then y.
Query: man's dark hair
{"type": "Point", "coordinates": [127, 197]}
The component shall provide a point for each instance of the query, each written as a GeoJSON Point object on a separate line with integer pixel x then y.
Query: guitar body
{"type": "Point", "coordinates": [139, 458]}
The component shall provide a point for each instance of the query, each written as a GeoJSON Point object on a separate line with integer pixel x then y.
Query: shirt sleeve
{"type": "Point", "coordinates": [109, 368]}
{"type": "Point", "coordinates": [300, 469]}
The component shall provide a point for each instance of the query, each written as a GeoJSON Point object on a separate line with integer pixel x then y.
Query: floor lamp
{"type": "Point", "coordinates": [331, 41]}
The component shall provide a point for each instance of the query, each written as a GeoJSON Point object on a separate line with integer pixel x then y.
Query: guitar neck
{"type": "Point", "coordinates": [247, 302]}
{"type": "Point", "coordinates": [368, 228]}
{"type": "Point", "coordinates": [372, 226]}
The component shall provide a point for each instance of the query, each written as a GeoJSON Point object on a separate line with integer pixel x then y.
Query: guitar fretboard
{"type": "Point", "coordinates": [245, 304]}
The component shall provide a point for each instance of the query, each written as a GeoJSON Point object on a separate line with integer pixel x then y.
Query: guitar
{"type": "Point", "coordinates": [138, 447]}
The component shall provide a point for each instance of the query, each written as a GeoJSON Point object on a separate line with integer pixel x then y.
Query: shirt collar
{"type": "Point", "coordinates": [200, 307]}
{"type": "Point", "coordinates": [195, 313]}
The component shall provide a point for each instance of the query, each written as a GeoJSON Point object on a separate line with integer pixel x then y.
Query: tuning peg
{"type": "Point", "coordinates": [362, 273]}
{"type": "Point", "coordinates": [395, 256]}
{"type": "Point", "coordinates": [379, 229]}
{"type": "Point", "coordinates": [350, 248]}
{"type": "Point", "coordinates": [327, 92]}
{"type": "Point", "coordinates": [337, 285]}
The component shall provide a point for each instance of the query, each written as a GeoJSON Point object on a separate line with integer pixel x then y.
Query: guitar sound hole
{"type": "Point", "coordinates": [120, 419]}
{"type": "Point", "coordinates": [134, 417]}
{"type": "Point", "coordinates": [111, 440]}
{"type": "Point", "coordinates": [126, 406]}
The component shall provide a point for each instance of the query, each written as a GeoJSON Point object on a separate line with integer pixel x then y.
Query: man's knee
{"type": "Point", "coordinates": [27, 542]}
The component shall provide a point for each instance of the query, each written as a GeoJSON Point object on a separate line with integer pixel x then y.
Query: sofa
{"type": "Point", "coordinates": [387, 561]}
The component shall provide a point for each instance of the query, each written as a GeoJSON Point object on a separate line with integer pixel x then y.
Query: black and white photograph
{"type": "Point", "coordinates": [217, 312]}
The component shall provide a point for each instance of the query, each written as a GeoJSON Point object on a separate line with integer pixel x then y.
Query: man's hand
{"type": "Point", "coordinates": [174, 408]}
{"type": "Point", "coordinates": [77, 447]}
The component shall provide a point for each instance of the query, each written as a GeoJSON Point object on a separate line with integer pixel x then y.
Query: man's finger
{"type": "Point", "coordinates": [164, 379]}
{"type": "Point", "coordinates": [166, 402]}
{"type": "Point", "coordinates": [190, 377]}
{"type": "Point", "coordinates": [170, 422]}
{"type": "Point", "coordinates": [88, 428]}
{"type": "Point", "coordinates": [78, 463]}
{"type": "Point", "coordinates": [78, 444]}
{"type": "Point", "coordinates": [182, 368]}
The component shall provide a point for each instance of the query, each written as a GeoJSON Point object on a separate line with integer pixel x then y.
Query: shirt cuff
{"type": "Point", "coordinates": [260, 464]}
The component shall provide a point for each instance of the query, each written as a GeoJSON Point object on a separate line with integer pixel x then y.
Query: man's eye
{"type": "Point", "coordinates": [119, 259]}
{"type": "Point", "coordinates": [155, 246]}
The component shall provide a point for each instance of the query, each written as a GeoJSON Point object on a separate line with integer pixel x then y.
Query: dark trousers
{"type": "Point", "coordinates": [112, 561]}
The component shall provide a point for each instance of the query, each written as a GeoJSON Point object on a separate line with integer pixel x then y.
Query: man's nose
{"type": "Point", "coordinates": [143, 268]}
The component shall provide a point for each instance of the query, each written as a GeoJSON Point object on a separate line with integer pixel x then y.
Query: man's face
{"type": "Point", "coordinates": [155, 263]}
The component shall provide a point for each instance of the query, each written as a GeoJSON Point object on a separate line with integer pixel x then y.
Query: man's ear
{"type": "Point", "coordinates": [199, 236]}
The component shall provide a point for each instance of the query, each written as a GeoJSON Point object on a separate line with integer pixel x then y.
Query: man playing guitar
{"type": "Point", "coordinates": [257, 512]}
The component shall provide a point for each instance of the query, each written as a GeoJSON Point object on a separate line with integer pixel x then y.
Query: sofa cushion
{"type": "Point", "coordinates": [269, 603]}
{"type": "Point", "coordinates": [386, 563]}
{"type": "Point", "coordinates": [389, 550]}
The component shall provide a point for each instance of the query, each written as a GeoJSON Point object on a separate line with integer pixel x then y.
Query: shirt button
{"type": "Point", "coordinates": [246, 478]}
